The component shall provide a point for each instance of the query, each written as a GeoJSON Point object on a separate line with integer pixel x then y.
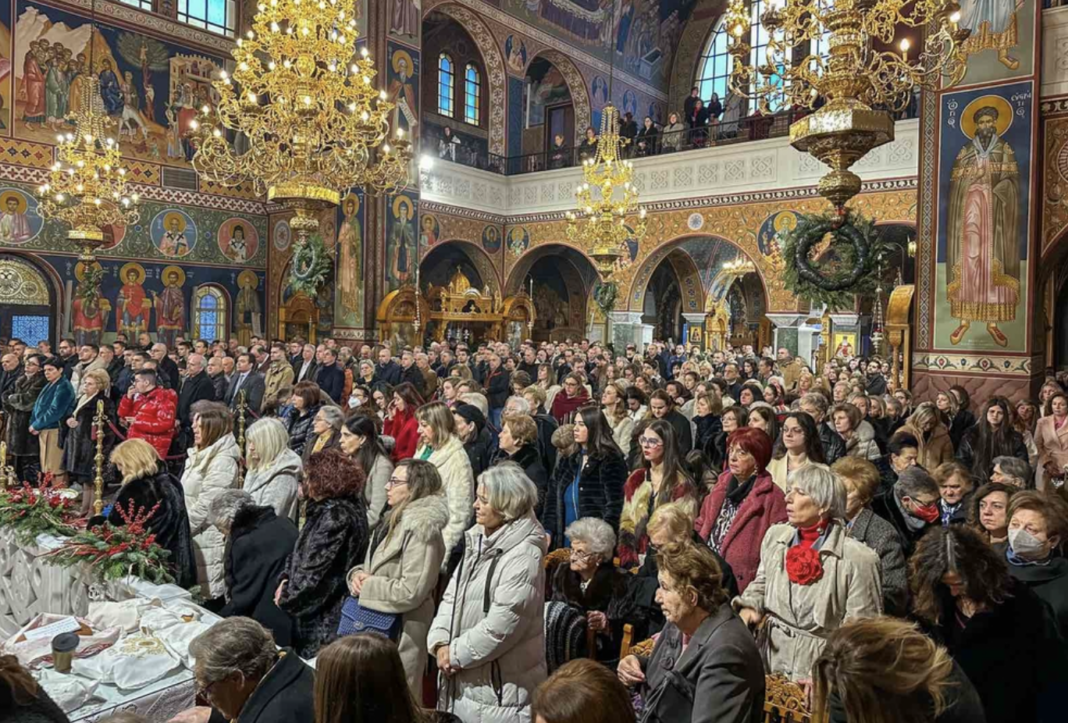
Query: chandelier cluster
{"type": "Point", "coordinates": [608, 215]}
{"type": "Point", "coordinates": [856, 76]}
{"type": "Point", "coordinates": [739, 267]}
{"type": "Point", "coordinates": [301, 118]}
{"type": "Point", "coordinates": [87, 187]}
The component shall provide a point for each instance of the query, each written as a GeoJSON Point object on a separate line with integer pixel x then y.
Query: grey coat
{"type": "Point", "coordinates": [799, 618]}
{"type": "Point", "coordinates": [404, 571]}
{"type": "Point", "coordinates": [718, 678]}
{"type": "Point", "coordinates": [374, 490]}
{"type": "Point", "coordinates": [275, 485]}
{"type": "Point", "coordinates": [880, 535]}
{"type": "Point", "coordinates": [500, 651]}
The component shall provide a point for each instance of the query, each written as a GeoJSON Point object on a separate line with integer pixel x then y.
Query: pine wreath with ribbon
{"type": "Point", "coordinates": [311, 264]}
{"type": "Point", "coordinates": [815, 274]}
{"type": "Point", "coordinates": [605, 296]}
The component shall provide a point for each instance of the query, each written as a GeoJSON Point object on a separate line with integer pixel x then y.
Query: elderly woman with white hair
{"type": "Point", "coordinates": [326, 431]}
{"type": "Point", "coordinates": [274, 469]}
{"type": "Point", "coordinates": [488, 635]}
{"type": "Point", "coordinates": [593, 584]}
{"type": "Point", "coordinates": [812, 578]}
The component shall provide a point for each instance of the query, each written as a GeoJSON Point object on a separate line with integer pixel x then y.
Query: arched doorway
{"type": "Point", "coordinates": [549, 110]}
{"type": "Point", "coordinates": [674, 289]}
{"type": "Point", "coordinates": [30, 305]}
{"type": "Point", "coordinates": [560, 280]}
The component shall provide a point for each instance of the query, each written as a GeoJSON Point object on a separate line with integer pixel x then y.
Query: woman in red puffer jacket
{"type": "Point", "coordinates": [400, 421]}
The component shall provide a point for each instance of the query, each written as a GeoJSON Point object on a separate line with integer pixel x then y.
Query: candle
{"type": "Point", "coordinates": [3, 455]}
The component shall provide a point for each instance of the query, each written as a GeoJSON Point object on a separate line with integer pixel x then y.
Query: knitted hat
{"type": "Point", "coordinates": [471, 413]}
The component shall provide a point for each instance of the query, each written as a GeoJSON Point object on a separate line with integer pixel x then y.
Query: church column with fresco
{"type": "Point", "coordinates": [975, 304]}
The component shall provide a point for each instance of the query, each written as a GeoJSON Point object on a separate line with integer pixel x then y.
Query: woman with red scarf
{"type": "Point", "coordinates": [400, 422]}
{"type": "Point", "coordinates": [813, 577]}
{"type": "Point", "coordinates": [574, 396]}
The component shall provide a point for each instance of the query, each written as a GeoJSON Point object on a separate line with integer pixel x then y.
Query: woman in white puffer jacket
{"type": "Point", "coordinates": [440, 446]}
{"type": "Point", "coordinates": [212, 466]}
{"type": "Point", "coordinates": [274, 469]}
{"type": "Point", "coordinates": [488, 635]}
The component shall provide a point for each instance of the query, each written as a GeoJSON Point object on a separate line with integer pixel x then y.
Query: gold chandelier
{"type": "Point", "coordinates": [608, 201]}
{"type": "Point", "coordinates": [87, 187]}
{"type": "Point", "coordinates": [861, 84]}
{"type": "Point", "coordinates": [300, 117]}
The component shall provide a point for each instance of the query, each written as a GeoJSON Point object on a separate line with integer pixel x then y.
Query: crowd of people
{"type": "Point", "coordinates": [509, 521]}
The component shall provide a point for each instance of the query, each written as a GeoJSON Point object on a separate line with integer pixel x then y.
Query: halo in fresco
{"type": "Point", "coordinates": [174, 233]}
{"type": "Point", "coordinates": [19, 220]}
{"type": "Point", "coordinates": [238, 240]}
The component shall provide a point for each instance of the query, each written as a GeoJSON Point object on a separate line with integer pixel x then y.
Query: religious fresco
{"type": "Point", "coordinates": [400, 240]}
{"type": "Point", "coordinates": [151, 89]}
{"type": "Point", "coordinates": [770, 237]}
{"type": "Point", "coordinates": [402, 83]}
{"type": "Point", "coordinates": [189, 234]}
{"type": "Point", "coordinates": [404, 19]}
{"type": "Point", "coordinates": [645, 36]}
{"type": "Point", "coordinates": [1001, 44]}
{"type": "Point", "coordinates": [159, 298]}
{"type": "Point", "coordinates": [491, 239]}
{"type": "Point", "coordinates": [515, 53]}
{"type": "Point", "coordinates": [984, 219]}
{"type": "Point", "coordinates": [549, 89]}
{"type": "Point", "coordinates": [349, 299]}
{"type": "Point", "coordinates": [5, 68]}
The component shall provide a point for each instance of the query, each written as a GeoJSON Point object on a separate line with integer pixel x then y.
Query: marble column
{"type": "Point", "coordinates": [625, 328]}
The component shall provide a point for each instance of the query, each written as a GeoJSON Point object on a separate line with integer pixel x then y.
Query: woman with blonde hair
{"type": "Point", "coordinates": [885, 670]}
{"type": "Point", "coordinates": [404, 560]}
{"type": "Point", "coordinates": [212, 466]}
{"type": "Point", "coordinates": [614, 403]}
{"type": "Point", "coordinates": [77, 435]}
{"type": "Point", "coordinates": [440, 446]}
{"type": "Point", "coordinates": [146, 483]}
{"type": "Point", "coordinates": [936, 446]}
{"type": "Point", "coordinates": [274, 469]}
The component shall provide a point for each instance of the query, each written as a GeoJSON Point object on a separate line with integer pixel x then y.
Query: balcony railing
{"type": "Point", "coordinates": [717, 133]}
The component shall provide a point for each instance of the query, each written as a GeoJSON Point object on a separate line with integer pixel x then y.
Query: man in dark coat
{"type": "Point", "coordinates": [197, 387]}
{"type": "Point", "coordinates": [257, 545]}
{"type": "Point", "coordinates": [67, 354]}
{"type": "Point", "coordinates": [387, 370]}
{"type": "Point", "coordinates": [248, 381]}
{"type": "Point", "coordinates": [10, 371]}
{"type": "Point", "coordinates": [166, 367]}
{"type": "Point", "coordinates": [306, 367]}
{"type": "Point", "coordinates": [274, 686]}
{"type": "Point", "coordinates": [410, 373]}
{"type": "Point", "coordinates": [330, 377]}
{"type": "Point", "coordinates": [18, 408]}
{"type": "Point", "coordinates": [911, 506]}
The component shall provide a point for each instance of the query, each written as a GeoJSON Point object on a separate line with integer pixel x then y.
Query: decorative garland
{"type": "Point", "coordinates": [605, 296]}
{"type": "Point", "coordinates": [115, 551]}
{"type": "Point", "coordinates": [89, 289]}
{"type": "Point", "coordinates": [858, 252]}
{"type": "Point", "coordinates": [29, 510]}
{"type": "Point", "coordinates": [311, 264]}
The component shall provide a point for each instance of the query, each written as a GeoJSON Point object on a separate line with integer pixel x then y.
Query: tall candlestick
{"type": "Point", "coordinates": [98, 481]}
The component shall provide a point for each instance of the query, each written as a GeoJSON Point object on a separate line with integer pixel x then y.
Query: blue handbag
{"type": "Point", "coordinates": [357, 619]}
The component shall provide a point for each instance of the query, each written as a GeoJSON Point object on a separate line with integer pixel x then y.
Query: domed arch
{"type": "Point", "coordinates": [482, 262]}
{"type": "Point", "coordinates": [493, 60]}
{"type": "Point", "coordinates": [580, 97]}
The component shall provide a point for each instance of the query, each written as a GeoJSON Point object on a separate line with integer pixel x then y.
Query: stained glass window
{"type": "Point", "coordinates": [472, 95]}
{"type": "Point", "coordinates": [446, 83]}
{"type": "Point", "coordinates": [218, 16]}
{"type": "Point", "coordinates": [209, 313]}
{"type": "Point", "coordinates": [31, 329]}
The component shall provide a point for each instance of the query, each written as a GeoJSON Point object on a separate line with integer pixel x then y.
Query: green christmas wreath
{"type": "Point", "coordinates": [832, 273]}
{"type": "Point", "coordinates": [311, 264]}
{"type": "Point", "coordinates": [605, 296]}
{"type": "Point", "coordinates": [89, 288]}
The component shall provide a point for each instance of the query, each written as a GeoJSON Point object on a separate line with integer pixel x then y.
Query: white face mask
{"type": "Point", "coordinates": [1026, 545]}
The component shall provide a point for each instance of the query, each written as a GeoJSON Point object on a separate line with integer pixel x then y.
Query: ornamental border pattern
{"type": "Point", "coordinates": [168, 27]}
{"type": "Point", "coordinates": [973, 363]}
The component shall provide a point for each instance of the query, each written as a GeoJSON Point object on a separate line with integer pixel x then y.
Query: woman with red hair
{"type": "Point", "coordinates": [742, 506]}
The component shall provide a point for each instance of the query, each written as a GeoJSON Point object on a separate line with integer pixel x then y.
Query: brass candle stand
{"type": "Point", "coordinates": [98, 482]}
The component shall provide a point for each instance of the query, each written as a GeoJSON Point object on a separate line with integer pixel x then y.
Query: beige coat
{"type": "Point", "coordinates": [934, 451]}
{"type": "Point", "coordinates": [799, 618]}
{"type": "Point", "coordinates": [279, 375]}
{"type": "Point", "coordinates": [778, 472]}
{"type": "Point", "coordinates": [1052, 446]}
{"type": "Point", "coordinates": [404, 572]}
{"type": "Point", "coordinates": [458, 481]}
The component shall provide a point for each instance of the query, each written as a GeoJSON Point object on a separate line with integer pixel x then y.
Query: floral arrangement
{"type": "Point", "coordinates": [115, 551]}
{"type": "Point", "coordinates": [33, 510]}
{"type": "Point", "coordinates": [830, 259]}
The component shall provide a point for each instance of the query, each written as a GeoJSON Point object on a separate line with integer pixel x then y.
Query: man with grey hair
{"type": "Point", "coordinates": [243, 675]}
{"type": "Point", "coordinates": [11, 370]}
{"type": "Point", "coordinates": [165, 365]}
{"type": "Point", "coordinates": [1011, 471]}
{"type": "Point", "coordinates": [217, 374]}
{"type": "Point", "coordinates": [258, 543]}
{"type": "Point", "coordinates": [196, 387]}
{"type": "Point", "coordinates": [546, 426]}
{"type": "Point", "coordinates": [911, 506]}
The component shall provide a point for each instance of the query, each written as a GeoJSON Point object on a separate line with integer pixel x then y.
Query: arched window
{"type": "Point", "coordinates": [210, 313]}
{"type": "Point", "coordinates": [472, 95]}
{"type": "Point", "coordinates": [446, 83]}
{"type": "Point", "coordinates": [218, 16]}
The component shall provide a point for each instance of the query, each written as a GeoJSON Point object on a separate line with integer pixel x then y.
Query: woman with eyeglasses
{"type": "Point", "coordinates": [404, 559]}
{"type": "Point", "coordinates": [743, 505]}
{"type": "Point", "coordinates": [574, 396]}
{"type": "Point", "coordinates": [589, 481]}
{"type": "Point", "coordinates": [799, 445]}
{"type": "Point", "coordinates": [660, 479]}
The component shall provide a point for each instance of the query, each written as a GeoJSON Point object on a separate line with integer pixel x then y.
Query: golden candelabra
{"type": "Point", "coordinates": [739, 267]}
{"type": "Point", "coordinates": [860, 84]}
{"type": "Point", "coordinates": [99, 420]}
{"type": "Point", "coordinates": [87, 188]}
{"type": "Point", "coordinates": [301, 118]}
{"type": "Point", "coordinates": [242, 405]}
{"type": "Point", "coordinates": [608, 214]}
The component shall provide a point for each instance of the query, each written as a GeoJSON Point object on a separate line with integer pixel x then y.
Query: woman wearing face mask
{"type": "Point", "coordinates": [1038, 527]}
{"type": "Point", "coordinates": [813, 577]}
{"type": "Point", "coordinates": [1051, 441]}
{"type": "Point", "coordinates": [360, 440]}
{"type": "Point", "coordinates": [1000, 632]}
{"type": "Point", "coordinates": [992, 436]}
{"type": "Point", "coordinates": [661, 479]}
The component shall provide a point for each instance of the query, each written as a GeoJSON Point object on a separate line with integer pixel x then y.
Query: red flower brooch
{"type": "Point", "coordinates": [803, 565]}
